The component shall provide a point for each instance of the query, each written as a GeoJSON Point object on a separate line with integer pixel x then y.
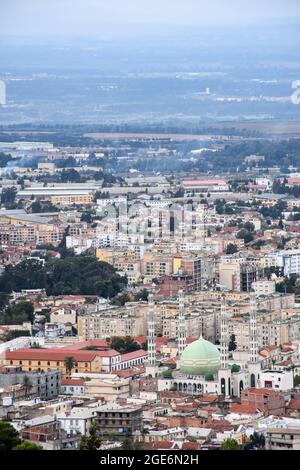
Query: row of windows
{"type": "Point", "coordinates": [48, 363]}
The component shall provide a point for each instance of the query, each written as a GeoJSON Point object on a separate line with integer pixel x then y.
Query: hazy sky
{"type": "Point", "coordinates": [93, 17]}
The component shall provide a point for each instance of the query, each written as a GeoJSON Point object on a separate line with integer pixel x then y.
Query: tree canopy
{"type": "Point", "coordinates": [9, 437]}
{"type": "Point", "coordinates": [124, 345]}
{"type": "Point", "coordinates": [91, 441]}
{"type": "Point", "coordinates": [17, 314]}
{"type": "Point", "coordinates": [79, 275]}
{"type": "Point", "coordinates": [230, 444]}
{"type": "Point", "coordinates": [26, 445]}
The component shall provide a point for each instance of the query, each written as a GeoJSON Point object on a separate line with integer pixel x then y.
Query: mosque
{"type": "Point", "coordinates": [203, 367]}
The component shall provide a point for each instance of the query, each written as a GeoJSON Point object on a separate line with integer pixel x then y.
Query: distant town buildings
{"type": "Point", "coordinates": [2, 93]}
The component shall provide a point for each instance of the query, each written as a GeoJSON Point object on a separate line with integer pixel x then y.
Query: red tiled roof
{"type": "Point", "coordinates": [83, 344]}
{"type": "Point", "coordinates": [134, 355]}
{"type": "Point", "coordinates": [73, 382]}
{"type": "Point", "coordinates": [130, 372]}
{"type": "Point", "coordinates": [208, 398]}
{"type": "Point", "coordinates": [260, 391]}
{"type": "Point", "coordinates": [162, 445]}
{"type": "Point", "coordinates": [190, 446]}
{"type": "Point", "coordinates": [169, 360]}
{"type": "Point", "coordinates": [294, 404]}
{"type": "Point", "coordinates": [295, 180]}
{"type": "Point", "coordinates": [243, 409]}
{"type": "Point", "coordinates": [55, 354]}
{"type": "Point", "coordinates": [202, 182]}
{"type": "Point", "coordinates": [158, 342]}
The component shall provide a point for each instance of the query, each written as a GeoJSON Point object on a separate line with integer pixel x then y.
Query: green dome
{"type": "Point", "coordinates": [200, 358]}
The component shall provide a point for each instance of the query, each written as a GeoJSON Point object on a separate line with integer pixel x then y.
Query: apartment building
{"type": "Point", "coordinates": [119, 420]}
{"type": "Point", "coordinates": [238, 273]}
{"type": "Point", "coordinates": [36, 234]}
{"type": "Point", "coordinates": [263, 287]}
{"type": "Point", "coordinates": [128, 321]}
{"type": "Point", "coordinates": [283, 439]}
{"type": "Point", "coordinates": [46, 385]}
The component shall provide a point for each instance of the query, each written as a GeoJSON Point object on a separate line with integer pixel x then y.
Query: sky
{"type": "Point", "coordinates": [95, 17]}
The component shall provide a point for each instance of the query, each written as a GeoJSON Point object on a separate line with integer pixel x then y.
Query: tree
{"type": "Point", "coordinates": [142, 295]}
{"type": "Point", "coordinates": [81, 275]}
{"type": "Point", "coordinates": [86, 217]}
{"type": "Point", "coordinates": [120, 299]}
{"type": "Point", "coordinates": [124, 345]}
{"type": "Point", "coordinates": [91, 441]}
{"type": "Point", "coordinates": [129, 444]}
{"type": "Point", "coordinates": [245, 235]}
{"type": "Point", "coordinates": [9, 437]}
{"type": "Point", "coordinates": [70, 175]}
{"type": "Point", "coordinates": [232, 343]}
{"type": "Point", "coordinates": [26, 445]}
{"type": "Point", "coordinates": [69, 364]}
{"type": "Point", "coordinates": [235, 368]}
{"type": "Point", "coordinates": [12, 334]}
{"type": "Point", "coordinates": [4, 159]}
{"type": "Point", "coordinates": [8, 196]}
{"type": "Point", "coordinates": [230, 444]}
{"type": "Point", "coordinates": [231, 249]}
{"type": "Point", "coordinates": [22, 311]}
{"type": "Point", "coordinates": [257, 440]}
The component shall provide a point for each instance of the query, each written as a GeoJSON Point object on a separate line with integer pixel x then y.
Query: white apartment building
{"type": "Point", "coordinates": [281, 380]}
{"type": "Point", "coordinates": [289, 260]}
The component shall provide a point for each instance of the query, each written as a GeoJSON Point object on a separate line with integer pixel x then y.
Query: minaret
{"type": "Point", "coordinates": [224, 335]}
{"type": "Point", "coordinates": [151, 332]}
{"type": "Point", "coordinates": [253, 330]}
{"type": "Point", "coordinates": [181, 324]}
{"type": "Point", "coordinates": [151, 367]}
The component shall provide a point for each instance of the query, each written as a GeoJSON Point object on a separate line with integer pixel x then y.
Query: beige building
{"type": "Point", "coordinates": [125, 321]}
{"type": "Point", "coordinates": [263, 287]}
{"type": "Point", "coordinates": [111, 387]}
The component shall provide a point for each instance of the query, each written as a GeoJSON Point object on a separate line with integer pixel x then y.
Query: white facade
{"type": "Point", "coordinates": [291, 262]}
{"type": "Point", "coordinates": [277, 379]}
{"type": "Point", "coordinates": [2, 93]}
{"type": "Point", "coordinates": [78, 421]}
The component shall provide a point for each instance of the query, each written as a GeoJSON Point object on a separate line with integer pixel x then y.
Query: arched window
{"type": "Point", "coordinates": [223, 386]}
{"type": "Point", "coordinates": [229, 385]}
{"type": "Point", "coordinates": [252, 380]}
{"type": "Point", "coordinates": [241, 385]}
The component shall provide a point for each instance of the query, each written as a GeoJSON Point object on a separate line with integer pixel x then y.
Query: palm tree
{"type": "Point", "coordinates": [69, 364]}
